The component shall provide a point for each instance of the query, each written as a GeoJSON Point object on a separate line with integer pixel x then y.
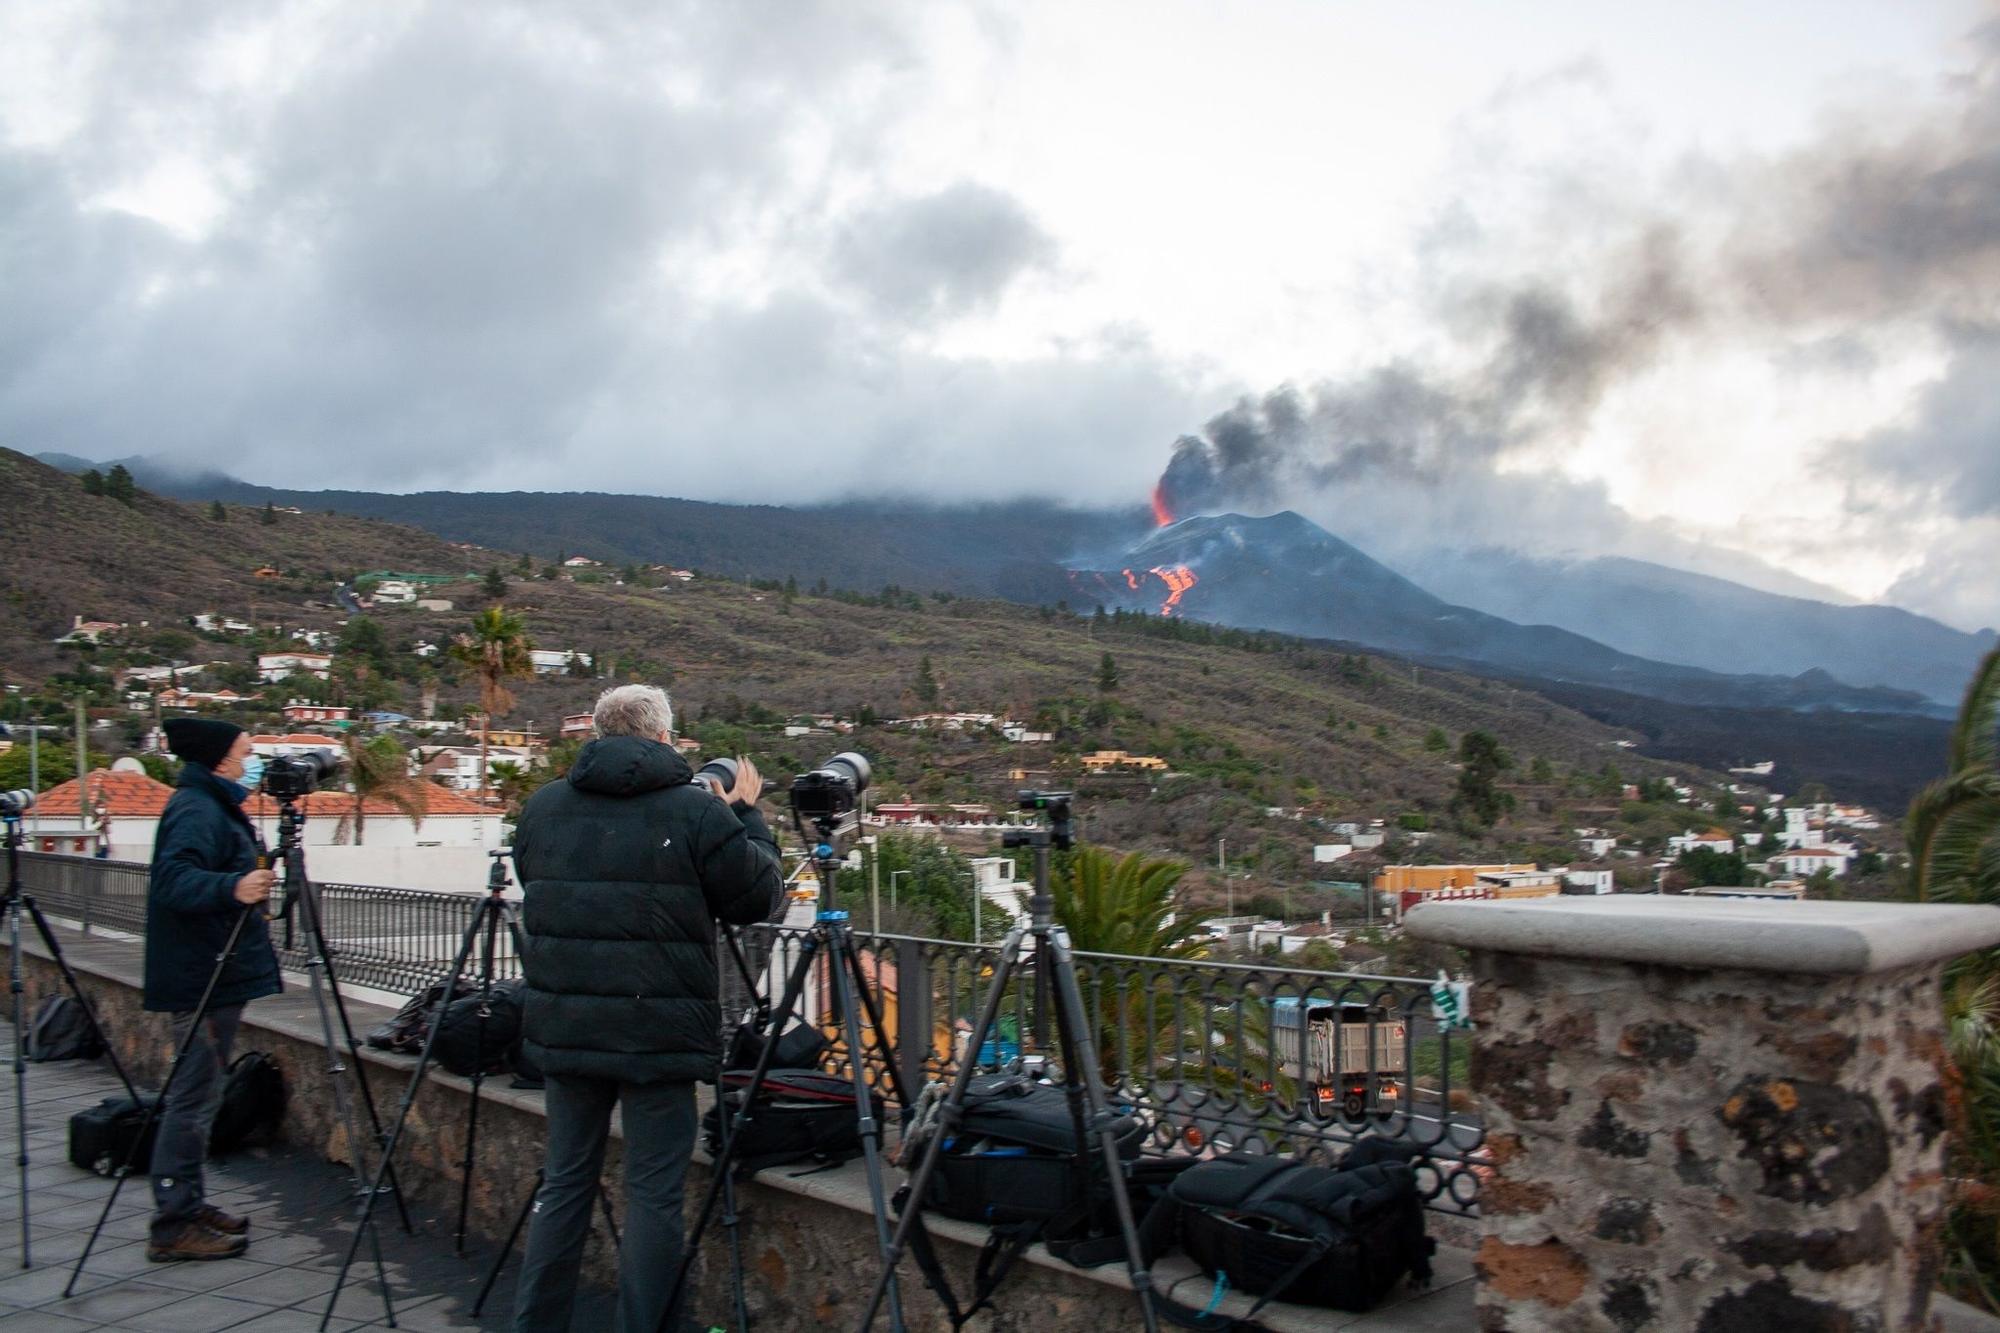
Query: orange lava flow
{"type": "Point", "coordinates": [1161, 514]}
{"type": "Point", "coordinates": [1178, 578]}
{"type": "Point", "coordinates": [1131, 580]}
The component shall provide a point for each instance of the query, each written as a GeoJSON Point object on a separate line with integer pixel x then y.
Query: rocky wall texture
{"type": "Point", "coordinates": [1719, 1151]}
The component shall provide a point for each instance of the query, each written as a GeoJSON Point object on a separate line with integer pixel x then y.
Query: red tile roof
{"type": "Point", "coordinates": [334, 804]}
{"type": "Point", "coordinates": [127, 794]}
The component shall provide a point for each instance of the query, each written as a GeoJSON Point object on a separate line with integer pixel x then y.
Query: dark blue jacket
{"type": "Point", "coordinates": [205, 844]}
{"type": "Point", "coordinates": [625, 869]}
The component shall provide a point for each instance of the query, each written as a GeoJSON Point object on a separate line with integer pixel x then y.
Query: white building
{"type": "Point", "coordinates": [993, 877]}
{"type": "Point", "coordinates": [1715, 840]}
{"type": "Point", "coordinates": [1597, 848]}
{"type": "Point", "coordinates": [1590, 882]}
{"type": "Point", "coordinates": [1020, 735]}
{"type": "Point", "coordinates": [394, 591]}
{"type": "Point", "coordinates": [274, 667]}
{"type": "Point", "coordinates": [457, 767]}
{"type": "Point", "coordinates": [555, 661]}
{"type": "Point", "coordinates": [1332, 851]}
{"type": "Point", "coordinates": [1801, 862]}
{"type": "Point", "coordinates": [296, 743]}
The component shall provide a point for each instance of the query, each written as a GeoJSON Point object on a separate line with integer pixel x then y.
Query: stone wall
{"type": "Point", "coordinates": [1707, 1150]}
{"type": "Point", "coordinates": [1727, 1149]}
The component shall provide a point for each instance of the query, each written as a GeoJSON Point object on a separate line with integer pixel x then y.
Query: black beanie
{"type": "Point", "coordinates": [201, 740]}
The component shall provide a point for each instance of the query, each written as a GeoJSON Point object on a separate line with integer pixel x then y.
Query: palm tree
{"type": "Point", "coordinates": [1953, 833]}
{"type": "Point", "coordinates": [1125, 905]}
{"type": "Point", "coordinates": [379, 769]}
{"type": "Point", "coordinates": [497, 647]}
{"type": "Point", "coordinates": [512, 781]}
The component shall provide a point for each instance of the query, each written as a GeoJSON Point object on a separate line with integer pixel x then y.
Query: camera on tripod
{"type": "Point", "coordinates": [718, 775]}
{"type": "Point", "coordinates": [1055, 808]}
{"type": "Point", "coordinates": [14, 804]}
{"type": "Point", "coordinates": [827, 793]}
{"type": "Point", "coordinates": [290, 776]}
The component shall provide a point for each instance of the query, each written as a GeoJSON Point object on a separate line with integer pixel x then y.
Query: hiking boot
{"type": "Point", "coordinates": [195, 1241]}
{"type": "Point", "coordinates": [215, 1219]}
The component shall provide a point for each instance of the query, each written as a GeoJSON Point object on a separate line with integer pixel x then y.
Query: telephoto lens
{"type": "Point", "coordinates": [13, 803]}
{"type": "Point", "coordinates": [718, 775]}
{"type": "Point", "coordinates": [829, 790]}
{"type": "Point", "coordinates": [291, 776]}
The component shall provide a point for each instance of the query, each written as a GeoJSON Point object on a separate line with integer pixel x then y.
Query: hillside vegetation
{"type": "Point", "coordinates": [1269, 738]}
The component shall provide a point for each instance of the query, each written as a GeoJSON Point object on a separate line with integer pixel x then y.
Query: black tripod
{"type": "Point", "coordinates": [520, 1221]}
{"type": "Point", "coordinates": [1090, 1112]}
{"type": "Point", "coordinates": [494, 912]}
{"type": "Point", "coordinates": [849, 1000]}
{"type": "Point", "coordinates": [18, 898]}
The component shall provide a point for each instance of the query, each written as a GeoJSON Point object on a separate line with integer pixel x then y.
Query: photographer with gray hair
{"type": "Point", "coordinates": [626, 865]}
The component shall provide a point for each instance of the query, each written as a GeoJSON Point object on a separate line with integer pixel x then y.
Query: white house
{"type": "Point", "coordinates": [555, 661]}
{"type": "Point", "coordinates": [457, 767]}
{"type": "Point", "coordinates": [993, 877]}
{"type": "Point", "coordinates": [1020, 735]}
{"type": "Point", "coordinates": [580, 562]}
{"type": "Point", "coordinates": [1715, 840]}
{"type": "Point", "coordinates": [1800, 862]}
{"type": "Point", "coordinates": [273, 667]}
{"type": "Point", "coordinates": [89, 631]}
{"type": "Point", "coordinates": [1332, 851]}
{"type": "Point", "coordinates": [1589, 882]}
{"type": "Point", "coordinates": [298, 742]}
{"type": "Point", "coordinates": [1597, 848]}
{"type": "Point", "coordinates": [433, 603]}
{"type": "Point", "coordinates": [394, 591]}
{"type": "Point", "coordinates": [298, 710]}
{"type": "Point", "coordinates": [120, 816]}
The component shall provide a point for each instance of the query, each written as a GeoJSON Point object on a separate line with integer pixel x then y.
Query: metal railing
{"type": "Point", "coordinates": [1217, 1056]}
{"type": "Point", "coordinates": [398, 940]}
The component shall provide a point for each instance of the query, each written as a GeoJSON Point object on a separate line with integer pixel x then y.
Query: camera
{"type": "Point", "coordinates": [14, 803]}
{"type": "Point", "coordinates": [1054, 807]}
{"type": "Point", "coordinates": [828, 791]}
{"type": "Point", "coordinates": [290, 776]}
{"type": "Point", "coordinates": [718, 775]}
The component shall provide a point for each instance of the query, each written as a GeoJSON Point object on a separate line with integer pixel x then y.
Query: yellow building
{"type": "Point", "coordinates": [1103, 761]}
{"type": "Point", "coordinates": [1431, 879]}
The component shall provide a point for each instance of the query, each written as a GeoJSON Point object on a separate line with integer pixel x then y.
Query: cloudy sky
{"type": "Point", "coordinates": [1712, 283]}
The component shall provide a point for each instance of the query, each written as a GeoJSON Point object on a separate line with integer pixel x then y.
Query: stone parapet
{"type": "Point", "coordinates": [1709, 1115]}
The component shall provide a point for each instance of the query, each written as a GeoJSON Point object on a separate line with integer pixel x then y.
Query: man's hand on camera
{"type": "Point", "coordinates": [749, 784]}
{"type": "Point", "coordinates": [254, 887]}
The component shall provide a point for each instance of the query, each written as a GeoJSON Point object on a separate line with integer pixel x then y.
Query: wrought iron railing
{"type": "Point", "coordinates": [1256, 1056]}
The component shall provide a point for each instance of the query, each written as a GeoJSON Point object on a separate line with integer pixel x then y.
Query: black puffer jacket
{"type": "Point", "coordinates": [625, 869]}
{"type": "Point", "coordinates": [205, 844]}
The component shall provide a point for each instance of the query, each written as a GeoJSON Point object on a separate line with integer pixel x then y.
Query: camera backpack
{"type": "Point", "coordinates": [465, 1046]}
{"type": "Point", "coordinates": [253, 1098]}
{"type": "Point", "coordinates": [1015, 1164]}
{"type": "Point", "coordinates": [61, 1029]}
{"type": "Point", "coordinates": [799, 1115]}
{"type": "Point", "coordinates": [104, 1137]}
{"type": "Point", "coordinates": [1281, 1229]}
{"type": "Point", "coordinates": [404, 1034]}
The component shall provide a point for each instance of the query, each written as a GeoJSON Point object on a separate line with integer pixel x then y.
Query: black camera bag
{"type": "Point", "coordinates": [799, 1047]}
{"type": "Point", "coordinates": [102, 1137]}
{"type": "Point", "coordinates": [404, 1034]}
{"type": "Point", "coordinates": [253, 1098]}
{"type": "Point", "coordinates": [463, 1047]}
{"type": "Point", "coordinates": [799, 1115]}
{"type": "Point", "coordinates": [61, 1029]}
{"type": "Point", "coordinates": [1014, 1157]}
{"type": "Point", "coordinates": [1285, 1230]}
{"type": "Point", "coordinates": [1014, 1164]}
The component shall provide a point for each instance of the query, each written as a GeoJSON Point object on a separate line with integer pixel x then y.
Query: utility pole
{"type": "Point", "coordinates": [82, 752]}
{"type": "Point", "coordinates": [976, 896]}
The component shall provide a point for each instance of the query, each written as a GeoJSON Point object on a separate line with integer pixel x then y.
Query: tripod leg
{"type": "Point", "coordinates": [871, 1125]}
{"type": "Point", "coordinates": [374, 1189]}
{"type": "Point", "coordinates": [947, 1122]}
{"type": "Point", "coordinates": [873, 1012]}
{"type": "Point", "coordinates": [795, 985]}
{"type": "Point", "coordinates": [732, 1220]}
{"type": "Point", "coordinates": [20, 1065]}
{"type": "Point", "coordinates": [76, 989]}
{"type": "Point", "coordinates": [478, 1072]}
{"type": "Point", "coordinates": [507, 1246]}
{"type": "Point", "coordinates": [316, 942]}
{"type": "Point", "coordinates": [1079, 1052]}
{"type": "Point", "coordinates": [153, 1111]}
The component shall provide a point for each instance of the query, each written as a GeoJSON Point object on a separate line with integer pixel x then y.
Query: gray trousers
{"type": "Point", "coordinates": [181, 1143]}
{"type": "Point", "coordinates": [659, 1122]}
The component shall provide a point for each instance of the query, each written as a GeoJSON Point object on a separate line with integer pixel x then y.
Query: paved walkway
{"type": "Point", "coordinates": [300, 1225]}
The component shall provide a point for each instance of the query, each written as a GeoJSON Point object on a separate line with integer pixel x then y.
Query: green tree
{"type": "Point", "coordinates": [1127, 905]}
{"type": "Point", "coordinates": [525, 566]}
{"type": "Point", "coordinates": [1541, 772]}
{"type": "Point", "coordinates": [512, 783]}
{"type": "Point", "coordinates": [495, 584]}
{"type": "Point", "coordinates": [925, 688]}
{"type": "Point", "coordinates": [216, 513]}
{"type": "Point", "coordinates": [269, 516]}
{"type": "Point", "coordinates": [362, 637]}
{"type": "Point", "coordinates": [118, 484]}
{"type": "Point", "coordinates": [1436, 741]}
{"type": "Point", "coordinates": [93, 482]}
{"type": "Point", "coordinates": [1953, 833]}
{"type": "Point", "coordinates": [56, 763]}
{"type": "Point", "coordinates": [1705, 865]}
{"type": "Point", "coordinates": [1481, 762]}
{"type": "Point", "coordinates": [378, 769]}
{"type": "Point", "coordinates": [496, 648]}
{"type": "Point", "coordinates": [1107, 674]}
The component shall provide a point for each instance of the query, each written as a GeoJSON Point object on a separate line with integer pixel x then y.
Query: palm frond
{"type": "Point", "coordinates": [1975, 740]}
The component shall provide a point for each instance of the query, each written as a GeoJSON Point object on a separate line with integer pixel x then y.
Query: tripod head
{"type": "Point", "coordinates": [827, 828]}
{"type": "Point", "coordinates": [497, 882]}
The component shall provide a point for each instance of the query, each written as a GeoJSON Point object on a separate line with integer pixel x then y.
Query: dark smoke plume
{"type": "Point", "coordinates": [1879, 226]}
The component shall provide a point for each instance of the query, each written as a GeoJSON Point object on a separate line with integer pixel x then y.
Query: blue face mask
{"type": "Point", "coordinates": [253, 771]}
